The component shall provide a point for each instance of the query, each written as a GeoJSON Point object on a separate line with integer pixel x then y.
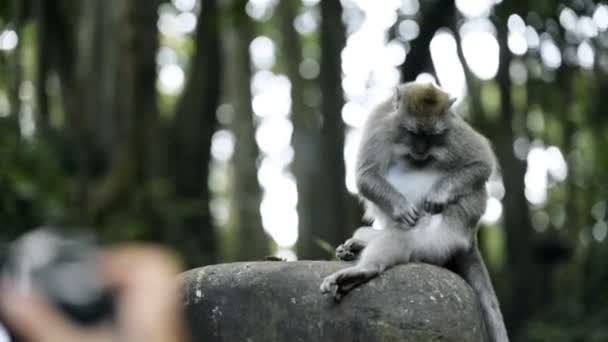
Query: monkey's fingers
{"type": "Point", "coordinates": [337, 293]}
{"type": "Point", "coordinates": [408, 221]}
{"type": "Point", "coordinates": [412, 218]}
{"type": "Point", "coordinates": [405, 220]}
{"type": "Point", "coordinates": [355, 245]}
{"type": "Point", "coordinates": [345, 254]}
{"type": "Point", "coordinates": [329, 284]}
{"type": "Point", "coordinates": [415, 211]}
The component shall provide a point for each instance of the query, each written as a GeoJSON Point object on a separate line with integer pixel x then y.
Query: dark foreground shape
{"type": "Point", "coordinates": [280, 301]}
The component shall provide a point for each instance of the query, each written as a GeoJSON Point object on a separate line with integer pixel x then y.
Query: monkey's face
{"type": "Point", "coordinates": [419, 135]}
{"type": "Point", "coordinates": [423, 115]}
{"type": "Point", "coordinates": [420, 144]}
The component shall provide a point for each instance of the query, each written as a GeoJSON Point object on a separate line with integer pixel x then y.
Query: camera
{"type": "Point", "coordinates": [60, 267]}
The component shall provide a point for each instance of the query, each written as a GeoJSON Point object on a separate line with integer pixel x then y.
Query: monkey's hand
{"type": "Point", "coordinates": [436, 201]}
{"type": "Point", "coordinates": [406, 212]}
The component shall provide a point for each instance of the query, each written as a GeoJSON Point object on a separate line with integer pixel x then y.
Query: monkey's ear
{"type": "Point", "coordinates": [451, 101]}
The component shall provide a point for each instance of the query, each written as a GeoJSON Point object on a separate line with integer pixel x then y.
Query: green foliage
{"type": "Point", "coordinates": [34, 187]}
{"type": "Point", "coordinates": [327, 248]}
{"type": "Point", "coordinates": [490, 97]}
{"type": "Point", "coordinates": [493, 245]}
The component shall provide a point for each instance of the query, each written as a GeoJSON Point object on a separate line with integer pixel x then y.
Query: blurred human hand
{"type": "Point", "coordinates": [144, 279]}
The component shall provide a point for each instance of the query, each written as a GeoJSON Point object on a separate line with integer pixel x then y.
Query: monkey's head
{"type": "Point", "coordinates": [423, 115]}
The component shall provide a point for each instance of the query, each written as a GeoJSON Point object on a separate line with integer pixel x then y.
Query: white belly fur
{"type": "Point", "coordinates": [414, 184]}
{"type": "Point", "coordinates": [432, 239]}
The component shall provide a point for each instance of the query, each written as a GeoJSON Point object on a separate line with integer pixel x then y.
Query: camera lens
{"type": "Point", "coordinates": [63, 269]}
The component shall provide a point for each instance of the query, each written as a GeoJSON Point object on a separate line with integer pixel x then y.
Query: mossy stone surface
{"type": "Point", "coordinates": [280, 301]}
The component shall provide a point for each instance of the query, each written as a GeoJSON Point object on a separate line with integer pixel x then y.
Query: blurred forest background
{"type": "Point", "coordinates": [227, 129]}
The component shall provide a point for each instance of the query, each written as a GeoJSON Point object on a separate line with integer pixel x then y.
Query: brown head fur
{"type": "Point", "coordinates": [425, 100]}
{"type": "Point", "coordinates": [424, 107]}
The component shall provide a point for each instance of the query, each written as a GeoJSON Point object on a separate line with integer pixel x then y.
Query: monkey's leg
{"type": "Point", "coordinates": [351, 249]}
{"type": "Point", "coordinates": [471, 267]}
{"type": "Point", "coordinates": [390, 247]}
{"type": "Point", "coordinates": [341, 282]}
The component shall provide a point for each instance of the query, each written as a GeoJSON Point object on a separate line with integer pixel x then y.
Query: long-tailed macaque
{"type": "Point", "coordinates": [421, 171]}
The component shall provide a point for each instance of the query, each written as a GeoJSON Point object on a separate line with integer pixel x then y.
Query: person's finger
{"type": "Point", "coordinates": [122, 266]}
{"type": "Point", "coordinates": [34, 320]}
{"type": "Point", "coordinates": [147, 288]}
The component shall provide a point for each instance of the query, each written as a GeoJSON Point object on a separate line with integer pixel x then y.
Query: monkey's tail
{"type": "Point", "coordinates": [471, 267]}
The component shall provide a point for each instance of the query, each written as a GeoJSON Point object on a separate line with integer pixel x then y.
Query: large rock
{"type": "Point", "coordinates": [280, 301]}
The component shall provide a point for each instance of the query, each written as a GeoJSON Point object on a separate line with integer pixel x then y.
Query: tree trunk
{"type": "Point", "coordinates": [306, 143]}
{"type": "Point", "coordinates": [112, 115]}
{"type": "Point", "coordinates": [523, 270]}
{"type": "Point", "coordinates": [477, 114]}
{"type": "Point", "coordinates": [42, 66]}
{"type": "Point", "coordinates": [418, 60]}
{"type": "Point", "coordinates": [144, 17]}
{"type": "Point", "coordinates": [245, 193]}
{"type": "Point", "coordinates": [195, 123]}
{"type": "Point", "coordinates": [335, 222]}
{"type": "Point", "coordinates": [135, 112]}
{"type": "Point", "coordinates": [16, 65]}
{"type": "Point", "coordinates": [63, 26]}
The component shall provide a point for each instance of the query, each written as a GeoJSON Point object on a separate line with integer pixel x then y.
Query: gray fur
{"type": "Point", "coordinates": [425, 201]}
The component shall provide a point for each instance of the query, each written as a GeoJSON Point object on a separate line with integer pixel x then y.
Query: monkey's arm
{"type": "Point", "coordinates": [376, 189]}
{"type": "Point", "coordinates": [458, 183]}
{"type": "Point", "coordinates": [470, 161]}
{"type": "Point", "coordinates": [373, 160]}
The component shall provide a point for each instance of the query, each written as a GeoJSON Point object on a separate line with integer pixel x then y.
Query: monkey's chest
{"type": "Point", "coordinates": [413, 183]}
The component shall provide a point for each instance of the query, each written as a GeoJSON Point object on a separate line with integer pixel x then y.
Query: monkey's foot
{"type": "Point", "coordinates": [343, 281]}
{"type": "Point", "coordinates": [329, 285]}
{"type": "Point", "coordinates": [349, 250]}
